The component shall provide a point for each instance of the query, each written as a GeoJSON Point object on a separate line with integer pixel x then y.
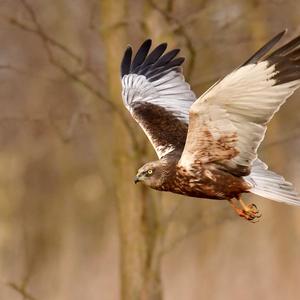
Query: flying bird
{"type": "Point", "coordinates": [207, 146]}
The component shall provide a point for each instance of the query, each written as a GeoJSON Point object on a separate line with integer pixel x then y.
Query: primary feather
{"type": "Point", "coordinates": [157, 96]}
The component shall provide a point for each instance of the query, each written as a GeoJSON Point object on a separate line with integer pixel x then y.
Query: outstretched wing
{"type": "Point", "coordinates": [228, 122]}
{"type": "Point", "coordinates": [158, 98]}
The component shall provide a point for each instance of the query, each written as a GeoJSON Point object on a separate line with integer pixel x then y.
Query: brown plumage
{"type": "Point", "coordinates": [201, 180]}
{"type": "Point", "coordinates": [207, 147]}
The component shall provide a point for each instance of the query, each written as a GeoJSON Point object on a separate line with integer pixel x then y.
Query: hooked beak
{"type": "Point", "coordinates": [136, 179]}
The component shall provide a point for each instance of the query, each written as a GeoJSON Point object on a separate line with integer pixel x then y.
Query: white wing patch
{"type": "Point", "coordinates": [170, 92]}
{"type": "Point", "coordinates": [243, 103]}
{"type": "Point", "coordinates": [162, 151]}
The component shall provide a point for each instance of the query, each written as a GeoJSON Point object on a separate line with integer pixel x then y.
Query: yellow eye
{"type": "Point", "coordinates": [149, 172]}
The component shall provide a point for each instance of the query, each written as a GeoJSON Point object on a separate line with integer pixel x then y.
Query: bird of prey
{"type": "Point", "coordinates": [207, 146]}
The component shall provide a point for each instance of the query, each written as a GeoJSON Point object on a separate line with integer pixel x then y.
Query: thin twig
{"type": "Point", "coordinates": [39, 30]}
{"type": "Point", "coordinates": [196, 227]}
{"type": "Point", "coordinates": [24, 72]}
{"type": "Point", "coordinates": [53, 42]}
{"type": "Point", "coordinates": [48, 42]}
{"type": "Point", "coordinates": [181, 30]}
{"type": "Point", "coordinates": [21, 290]}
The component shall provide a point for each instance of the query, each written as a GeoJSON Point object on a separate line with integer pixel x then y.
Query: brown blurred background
{"type": "Point", "coordinates": [72, 223]}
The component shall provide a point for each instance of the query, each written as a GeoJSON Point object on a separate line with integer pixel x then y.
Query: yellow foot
{"type": "Point", "coordinates": [249, 212]}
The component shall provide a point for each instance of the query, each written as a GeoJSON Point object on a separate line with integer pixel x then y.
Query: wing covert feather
{"type": "Point", "coordinates": [228, 122]}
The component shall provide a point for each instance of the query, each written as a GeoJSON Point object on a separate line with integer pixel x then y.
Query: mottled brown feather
{"type": "Point", "coordinates": [161, 125]}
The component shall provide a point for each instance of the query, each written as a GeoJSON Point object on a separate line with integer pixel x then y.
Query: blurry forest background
{"type": "Point", "coordinates": [72, 223]}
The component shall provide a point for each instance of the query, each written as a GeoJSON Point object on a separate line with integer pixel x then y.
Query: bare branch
{"type": "Point", "coordinates": [169, 218]}
{"type": "Point", "coordinates": [199, 224]}
{"type": "Point", "coordinates": [49, 42]}
{"type": "Point", "coordinates": [39, 30]}
{"type": "Point", "coordinates": [100, 29]}
{"type": "Point", "coordinates": [21, 290]}
{"type": "Point", "coordinates": [24, 72]}
{"type": "Point", "coordinates": [10, 68]}
{"type": "Point", "coordinates": [181, 30]}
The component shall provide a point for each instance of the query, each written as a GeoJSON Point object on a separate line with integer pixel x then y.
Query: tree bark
{"type": "Point", "coordinates": [140, 278]}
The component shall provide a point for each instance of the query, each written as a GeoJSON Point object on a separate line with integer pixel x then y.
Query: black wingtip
{"type": "Point", "coordinates": [148, 42]}
{"type": "Point", "coordinates": [167, 57]}
{"type": "Point", "coordinates": [286, 60]}
{"type": "Point", "coordinates": [126, 61]}
{"type": "Point", "coordinates": [147, 63]}
{"type": "Point", "coordinates": [146, 45]}
{"type": "Point", "coordinates": [141, 54]}
{"type": "Point", "coordinates": [265, 49]}
{"type": "Point", "coordinates": [285, 49]}
{"type": "Point", "coordinates": [155, 54]}
{"type": "Point", "coordinates": [283, 32]}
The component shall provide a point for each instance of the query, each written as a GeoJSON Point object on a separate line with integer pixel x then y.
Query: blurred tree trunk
{"type": "Point", "coordinates": [140, 278]}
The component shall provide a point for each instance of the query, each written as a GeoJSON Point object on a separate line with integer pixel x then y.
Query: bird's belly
{"type": "Point", "coordinates": [211, 184]}
{"type": "Point", "coordinates": [199, 193]}
{"type": "Point", "coordinates": [200, 190]}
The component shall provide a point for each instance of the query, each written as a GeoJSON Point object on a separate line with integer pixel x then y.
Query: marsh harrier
{"type": "Point", "coordinates": [207, 146]}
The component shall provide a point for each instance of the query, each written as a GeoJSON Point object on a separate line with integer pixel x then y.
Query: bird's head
{"type": "Point", "coordinates": [151, 174]}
